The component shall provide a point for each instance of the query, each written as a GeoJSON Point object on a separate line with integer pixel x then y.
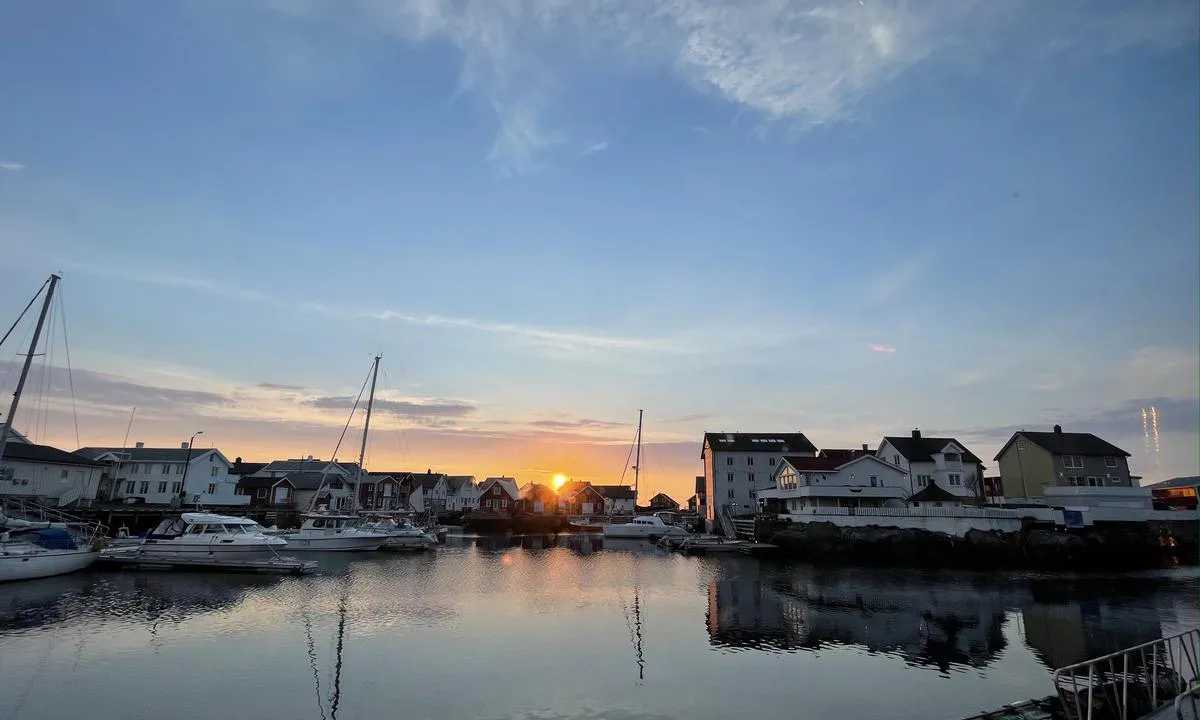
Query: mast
{"type": "Point", "coordinates": [6, 429]}
{"type": "Point", "coordinates": [637, 463]}
{"type": "Point", "coordinates": [362, 451]}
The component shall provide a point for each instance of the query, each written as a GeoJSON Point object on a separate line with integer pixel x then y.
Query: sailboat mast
{"type": "Point", "coordinates": [637, 463]}
{"type": "Point", "coordinates": [362, 451]}
{"type": "Point", "coordinates": [6, 429]}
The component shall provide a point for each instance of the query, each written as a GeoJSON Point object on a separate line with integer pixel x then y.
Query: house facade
{"type": "Point", "coordinates": [429, 491]}
{"type": "Point", "coordinates": [155, 476]}
{"type": "Point", "coordinates": [460, 493]}
{"type": "Point", "coordinates": [738, 465]}
{"type": "Point", "coordinates": [618, 499]}
{"type": "Point", "coordinates": [268, 492]}
{"type": "Point", "coordinates": [581, 498]}
{"type": "Point", "coordinates": [1068, 465]}
{"type": "Point", "coordinates": [803, 483]}
{"type": "Point", "coordinates": [498, 495]}
{"type": "Point", "coordinates": [941, 460]}
{"type": "Point", "coordinates": [48, 475]}
{"type": "Point", "coordinates": [663, 501]}
{"type": "Point", "coordinates": [538, 499]}
{"type": "Point", "coordinates": [379, 491]}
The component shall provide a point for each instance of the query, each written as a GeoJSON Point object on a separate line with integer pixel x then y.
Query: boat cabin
{"type": "Point", "coordinates": [203, 524]}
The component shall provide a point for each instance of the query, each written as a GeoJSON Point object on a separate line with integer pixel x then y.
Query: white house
{"type": "Point", "coordinates": [430, 491]}
{"type": "Point", "coordinates": [155, 475]}
{"type": "Point", "coordinates": [313, 489]}
{"type": "Point", "coordinates": [738, 465]}
{"type": "Point", "coordinates": [460, 493]}
{"type": "Point", "coordinates": [803, 482]}
{"type": "Point", "coordinates": [945, 461]}
{"type": "Point", "coordinates": [618, 499]}
{"type": "Point", "coordinates": [48, 475]}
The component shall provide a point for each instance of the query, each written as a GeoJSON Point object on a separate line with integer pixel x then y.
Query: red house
{"type": "Point", "coordinates": [498, 495]}
{"type": "Point", "coordinates": [380, 491]}
{"type": "Point", "coordinates": [267, 491]}
{"type": "Point", "coordinates": [538, 498]}
{"type": "Point", "coordinates": [580, 498]}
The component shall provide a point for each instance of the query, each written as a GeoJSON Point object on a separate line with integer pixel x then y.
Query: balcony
{"type": "Point", "coordinates": [1098, 496]}
{"type": "Point", "coordinates": [839, 491]}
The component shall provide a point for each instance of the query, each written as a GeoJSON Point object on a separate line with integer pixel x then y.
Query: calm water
{"type": "Point", "coordinates": [480, 629]}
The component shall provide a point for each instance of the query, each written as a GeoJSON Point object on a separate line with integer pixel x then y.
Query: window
{"type": "Point", "coordinates": [1110, 462]}
{"type": "Point", "coordinates": [750, 477]}
{"type": "Point", "coordinates": [134, 468]}
{"type": "Point", "coordinates": [750, 461]}
{"type": "Point", "coordinates": [874, 481]}
{"type": "Point", "coordinates": [896, 460]}
{"type": "Point", "coordinates": [922, 480]}
{"type": "Point", "coordinates": [1020, 445]}
{"type": "Point", "coordinates": [174, 487]}
{"type": "Point", "coordinates": [213, 472]}
{"type": "Point", "coordinates": [953, 457]}
{"type": "Point", "coordinates": [262, 492]}
{"type": "Point", "coordinates": [129, 488]}
{"type": "Point", "coordinates": [166, 470]}
{"type": "Point", "coordinates": [729, 477]}
{"type": "Point", "coordinates": [730, 493]}
{"type": "Point", "coordinates": [1095, 481]}
{"type": "Point", "coordinates": [63, 474]}
{"type": "Point", "coordinates": [162, 487]}
{"type": "Point", "coordinates": [771, 462]}
{"type": "Point", "coordinates": [212, 488]}
{"type": "Point", "coordinates": [955, 479]}
{"type": "Point", "coordinates": [144, 487]}
{"type": "Point", "coordinates": [1072, 461]}
{"type": "Point", "coordinates": [179, 469]}
{"type": "Point", "coordinates": [729, 460]}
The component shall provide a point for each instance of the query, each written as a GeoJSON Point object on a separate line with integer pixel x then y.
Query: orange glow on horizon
{"type": "Point", "coordinates": [559, 480]}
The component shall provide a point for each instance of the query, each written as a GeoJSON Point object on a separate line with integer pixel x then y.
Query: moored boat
{"type": "Point", "coordinates": [330, 532]}
{"type": "Point", "coordinates": [40, 552]}
{"type": "Point", "coordinates": [199, 535]}
{"type": "Point", "coordinates": [643, 526]}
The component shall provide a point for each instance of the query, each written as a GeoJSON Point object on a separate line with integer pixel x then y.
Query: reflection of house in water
{"type": "Point", "coordinates": [1067, 625]}
{"type": "Point", "coordinates": [925, 623]}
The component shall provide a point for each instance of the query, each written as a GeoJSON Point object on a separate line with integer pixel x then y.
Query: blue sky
{"type": "Point", "coordinates": [846, 218]}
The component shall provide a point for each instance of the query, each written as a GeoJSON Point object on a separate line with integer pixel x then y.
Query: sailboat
{"type": "Point", "coordinates": [340, 532]}
{"type": "Point", "coordinates": [592, 525]}
{"type": "Point", "coordinates": [642, 526]}
{"type": "Point", "coordinates": [30, 550]}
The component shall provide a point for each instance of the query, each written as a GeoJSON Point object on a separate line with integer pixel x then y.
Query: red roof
{"type": "Point", "coordinates": [815, 463]}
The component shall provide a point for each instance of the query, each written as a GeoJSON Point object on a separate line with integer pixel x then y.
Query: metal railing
{"type": "Point", "coordinates": [1131, 683]}
{"type": "Point", "coordinates": [24, 509]}
{"type": "Point", "coordinates": [911, 512]}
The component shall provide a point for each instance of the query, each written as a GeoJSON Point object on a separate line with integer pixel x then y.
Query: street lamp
{"type": "Point", "coordinates": [186, 464]}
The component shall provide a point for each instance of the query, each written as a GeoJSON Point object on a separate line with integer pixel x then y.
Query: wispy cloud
{"type": "Point", "coordinates": [595, 148]}
{"type": "Point", "coordinates": [279, 386]}
{"type": "Point", "coordinates": [411, 408]}
{"type": "Point", "coordinates": [969, 377]}
{"type": "Point", "coordinates": [9, 166]}
{"type": "Point", "coordinates": [876, 347]}
{"type": "Point", "coordinates": [888, 286]}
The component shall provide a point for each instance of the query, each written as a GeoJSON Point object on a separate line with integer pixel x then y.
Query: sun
{"type": "Point", "coordinates": [559, 480]}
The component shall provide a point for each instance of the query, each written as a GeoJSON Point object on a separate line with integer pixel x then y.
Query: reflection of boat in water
{"type": "Point", "coordinates": [400, 534]}
{"type": "Point", "coordinates": [210, 537]}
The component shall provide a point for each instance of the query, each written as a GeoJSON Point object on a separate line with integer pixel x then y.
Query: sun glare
{"type": "Point", "coordinates": [559, 480]}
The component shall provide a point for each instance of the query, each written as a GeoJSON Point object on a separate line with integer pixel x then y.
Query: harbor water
{"type": "Point", "coordinates": [568, 627]}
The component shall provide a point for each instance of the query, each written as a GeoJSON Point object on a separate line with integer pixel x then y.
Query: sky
{"type": "Point", "coordinates": [849, 219]}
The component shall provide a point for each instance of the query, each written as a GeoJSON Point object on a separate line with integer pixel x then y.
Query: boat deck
{"type": "Point", "coordinates": [129, 559]}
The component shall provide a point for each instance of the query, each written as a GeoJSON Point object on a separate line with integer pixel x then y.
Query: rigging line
{"type": "Point", "coordinates": [62, 314]}
{"type": "Point", "coordinates": [48, 372]}
{"type": "Point", "coordinates": [395, 422]}
{"type": "Point", "coordinates": [628, 458]}
{"type": "Point", "coordinates": [31, 302]}
{"type": "Point", "coordinates": [345, 429]}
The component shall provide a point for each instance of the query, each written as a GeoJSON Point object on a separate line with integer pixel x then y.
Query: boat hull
{"type": "Point", "coordinates": [336, 543]}
{"type": "Point", "coordinates": [168, 550]}
{"type": "Point", "coordinates": [409, 542]}
{"type": "Point", "coordinates": [44, 564]}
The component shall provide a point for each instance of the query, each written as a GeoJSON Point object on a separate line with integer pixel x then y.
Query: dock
{"type": "Point", "coordinates": [130, 559]}
{"type": "Point", "coordinates": [757, 549]}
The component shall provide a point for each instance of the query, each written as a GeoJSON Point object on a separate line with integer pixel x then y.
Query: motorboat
{"type": "Point", "coordinates": [400, 534]}
{"type": "Point", "coordinates": [41, 550]}
{"type": "Point", "coordinates": [329, 532]}
{"type": "Point", "coordinates": [643, 526]}
{"type": "Point", "coordinates": [207, 536]}
{"type": "Point", "coordinates": [587, 525]}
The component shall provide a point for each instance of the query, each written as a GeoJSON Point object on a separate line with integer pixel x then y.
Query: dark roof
{"type": "Point", "coordinates": [310, 480]}
{"type": "Point", "coordinates": [145, 454]}
{"type": "Point", "coordinates": [758, 442]}
{"type": "Point", "coordinates": [302, 465]}
{"type": "Point", "coordinates": [28, 452]}
{"type": "Point", "coordinates": [456, 482]}
{"type": "Point", "coordinates": [1065, 443]}
{"type": "Point", "coordinates": [842, 454]}
{"type": "Point", "coordinates": [615, 492]}
{"type": "Point", "coordinates": [814, 463]}
{"type": "Point", "coordinates": [429, 482]}
{"type": "Point", "coordinates": [246, 468]}
{"type": "Point", "coordinates": [664, 496]}
{"type": "Point", "coordinates": [533, 489]}
{"type": "Point", "coordinates": [571, 487]}
{"type": "Point", "coordinates": [933, 493]}
{"type": "Point", "coordinates": [263, 482]}
{"type": "Point", "coordinates": [1179, 482]}
{"type": "Point", "coordinates": [921, 449]}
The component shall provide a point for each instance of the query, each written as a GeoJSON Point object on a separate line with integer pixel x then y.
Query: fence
{"type": "Point", "coordinates": [956, 522]}
{"type": "Point", "coordinates": [912, 512]}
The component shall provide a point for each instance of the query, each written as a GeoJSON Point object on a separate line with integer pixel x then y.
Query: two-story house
{"type": "Point", "coordinates": [460, 492]}
{"type": "Point", "coordinates": [379, 491]}
{"type": "Point", "coordinates": [268, 492]}
{"type": "Point", "coordinates": [537, 498]}
{"type": "Point", "coordinates": [47, 474]}
{"type": "Point", "coordinates": [663, 501]}
{"type": "Point", "coordinates": [1076, 468]}
{"type": "Point", "coordinates": [945, 461]}
{"type": "Point", "coordinates": [803, 483]}
{"type": "Point", "coordinates": [498, 495]}
{"type": "Point", "coordinates": [738, 465]}
{"type": "Point", "coordinates": [155, 476]}
{"type": "Point", "coordinates": [618, 499]}
{"type": "Point", "coordinates": [429, 492]}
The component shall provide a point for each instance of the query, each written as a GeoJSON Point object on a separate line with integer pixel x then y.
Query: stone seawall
{"type": "Point", "coordinates": [1102, 546]}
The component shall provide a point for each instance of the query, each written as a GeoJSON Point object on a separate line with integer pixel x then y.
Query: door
{"type": "Point", "coordinates": [281, 494]}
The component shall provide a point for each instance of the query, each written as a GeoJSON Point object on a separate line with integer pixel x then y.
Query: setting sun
{"type": "Point", "coordinates": [559, 480]}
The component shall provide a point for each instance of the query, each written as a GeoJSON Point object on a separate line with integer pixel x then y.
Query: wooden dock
{"type": "Point", "coordinates": [130, 559]}
{"type": "Point", "coordinates": [757, 549]}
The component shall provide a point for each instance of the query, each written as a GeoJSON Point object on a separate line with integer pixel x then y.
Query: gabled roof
{"type": "Point", "coordinates": [757, 442]}
{"type": "Point", "coordinates": [933, 493]}
{"type": "Point", "coordinates": [145, 454]}
{"type": "Point", "coordinates": [922, 449]}
{"type": "Point", "coordinates": [426, 481]}
{"type": "Point", "coordinates": [456, 482]}
{"type": "Point", "coordinates": [532, 489]}
{"type": "Point", "coordinates": [810, 464]}
{"type": "Point", "coordinates": [246, 468]}
{"type": "Point", "coordinates": [28, 452]}
{"type": "Point", "coordinates": [253, 483]}
{"type": "Point", "coordinates": [509, 485]}
{"type": "Point", "coordinates": [300, 465]}
{"type": "Point", "coordinates": [1065, 443]}
{"type": "Point", "coordinates": [312, 480]}
{"type": "Point", "coordinates": [663, 496]}
{"type": "Point", "coordinates": [1179, 482]}
{"type": "Point", "coordinates": [843, 454]}
{"type": "Point", "coordinates": [581, 489]}
{"type": "Point", "coordinates": [615, 492]}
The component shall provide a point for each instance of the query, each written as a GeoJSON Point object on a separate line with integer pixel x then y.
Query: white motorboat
{"type": "Point", "coordinates": [643, 526]}
{"type": "Point", "coordinates": [401, 535]}
{"type": "Point", "coordinates": [207, 536]}
{"type": "Point", "coordinates": [327, 532]}
{"type": "Point", "coordinates": [39, 552]}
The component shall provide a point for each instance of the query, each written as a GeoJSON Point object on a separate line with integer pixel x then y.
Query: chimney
{"type": "Point", "coordinates": [916, 434]}
{"type": "Point", "coordinates": [428, 471]}
{"type": "Point", "coordinates": [183, 445]}
{"type": "Point", "coordinates": [1058, 429]}
{"type": "Point", "coordinates": [865, 448]}
{"type": "Point", "coordinates": [140, 445]}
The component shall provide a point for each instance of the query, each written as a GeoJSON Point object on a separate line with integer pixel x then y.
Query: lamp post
{"type": "Point", "coordinates": [187, 464]}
